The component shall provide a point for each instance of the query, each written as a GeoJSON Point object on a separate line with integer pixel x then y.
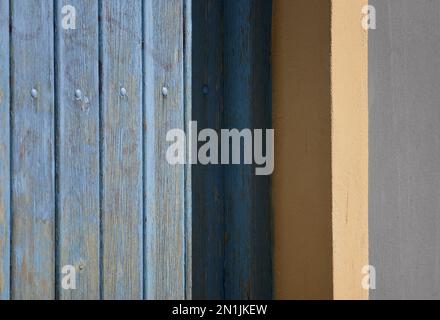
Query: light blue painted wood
{"type": "Point", "coordinates": [4, 153]}
{"type": "Point", "coordinates": [188, 74]}
{"type": "Point", "coordinates": [78, 214]}
{"type": "Point", "coordinates": [164, 183]}
{"type": "Point", "coordinates": [247, 104]}
{"type": "Point", "coordinates": [121, 134]}
{"type": "Point", "coordinates": [33, 169]}
{"type": "Point", "coordinates": [204, 232]}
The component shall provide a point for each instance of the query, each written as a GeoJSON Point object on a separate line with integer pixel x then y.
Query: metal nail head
{"type": "Point", "coordinates": [78, 94]}
{"type": "Point", "coordinates": [34, 93]}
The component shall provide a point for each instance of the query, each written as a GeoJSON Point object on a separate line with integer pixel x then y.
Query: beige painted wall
{"type": "Point", "coordinates": [320, 183]}
{"type": "Point", "coordinates": [349, 70]}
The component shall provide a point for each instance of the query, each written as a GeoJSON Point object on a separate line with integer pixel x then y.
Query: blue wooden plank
{"type": "Point", "coordinates": [77, 100]}
{"type": "Point", "coordinates": [4, 153]}
{"type": "Point", "coordinates": [207, 109]}
{"type": "Point", "coordinates": [247, 104]}
{"type": "Point", "coordinates": [121, 158]}
{"type": "Point", "coordinates": [261, 110]}
{"type": "Point", "coordinates": [164, 183]}
{"type": "Point", "coordinates": [33, 176]}
{"type": "Point", "coordinates": [188, 74]}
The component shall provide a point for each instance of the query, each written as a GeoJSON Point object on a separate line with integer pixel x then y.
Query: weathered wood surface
{"type": "Point", "coordinates": [122, 138]}
{"type": "Point", "coordinates": [247, 104]}
{"type": "Point", "coordinates": [164, 183]}
{"type": "Point", "coordinates": [90, 183]}
{"type": "Point", "coordinates": [231, 89]}
{"type": "Point", "coordinates": [78, 223]}
{"type": "Point", "coordinates": [33, 169]}
{"type": "Point", "coordinates": [188, 100]}
{"type": "Point", "coordinates": [5, 208]}
{"type": "Point", "coordinates": [208, 203]}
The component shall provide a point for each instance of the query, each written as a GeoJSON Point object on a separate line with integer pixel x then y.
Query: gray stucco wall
{"type": "Point", "coordinates": [404, 93]}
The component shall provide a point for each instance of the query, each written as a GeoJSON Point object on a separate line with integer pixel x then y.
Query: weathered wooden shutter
{"type": "Point", "coordinates": [83, 178]}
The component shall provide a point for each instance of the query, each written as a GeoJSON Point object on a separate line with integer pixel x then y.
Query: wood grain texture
{"type": "Point", "coordinates": [404, 76]}
{"type": "Point", "coordinates": [188, 100]}
{"type": "Point", "coordinates": [247, 104]}
{"type": "Point", "coordinates": [122, 203]}
{"type": "Point", "coordinates": [207, 110]}
{"type": "Point", "coordinates": [33, 176]}
{"type": "Point", "coordinates": [91, 186]}
{"type": "Point", "coordinates": [78, 149]}
{"type": "Point", "coordinates": [164, 183]}
{"type": "Point", "coordinates": [4, 153]}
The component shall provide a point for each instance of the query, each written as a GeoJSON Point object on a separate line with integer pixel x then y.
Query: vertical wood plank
{"type": "Point", "coordinates": [208, 204]}
{"type": "Point", "coordinates": [4, 153]}
{"type": "Point", "coordinates": [165, 184]}
{"type": "Point", "coordinates": [122, 209]}
{"type": "Point", "coordinates": [261, 110]}
{"type": "Point", "coordinates": [78, 148]}
{"type": "Point", "coordinates": [248, 255]}
{"type": "Point", "coordinates": [33, 178]}
{"type": "Point", "coordinates": [188, 76]}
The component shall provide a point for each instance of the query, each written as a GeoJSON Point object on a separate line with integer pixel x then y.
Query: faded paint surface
{"type": "Point", "coordinates": [4, 153]}
{"type": "Point", "coordinates": [164, 185]}
{"type": "Point", "coordinates": [320, 184]}
{"type": "Point", "coordinates": [78, 217]}
{"type": "Point", "coordinates": [32, 151]}
{"type": "Point", "coordinates": [90, 183]}
{"type": "Point", "coordinates": [247, 104]}
{"type": "Point", "coordinates": [230, 204]}
{"type": "Point", "coordinates": [404, 66]}
{"type": "Point", "coordinates": [122, 151]}
{"type": "Point", "coordinates": [82, 167]}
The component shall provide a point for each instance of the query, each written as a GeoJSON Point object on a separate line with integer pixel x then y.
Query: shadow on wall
{"type": "Point", "coordinates": [301, 182]}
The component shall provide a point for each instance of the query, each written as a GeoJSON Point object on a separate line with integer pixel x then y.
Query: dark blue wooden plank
{"type": "Point", "coordinates": [33, 169]}
{"type": "Point", "coordinates": [207, 109]}
{"type": "Point", "coordinates": [122, 168]}
{"type": "Point", "coordinates": [78, 149]}
{"type": "Point", "coordinates": [247, 104]}
{"type": "Point", "coordinates": [165, 242]}
{"type": "Point", "coordinates": [232, 252]}
{"type": "Point", "coordinates": [4, 153]}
